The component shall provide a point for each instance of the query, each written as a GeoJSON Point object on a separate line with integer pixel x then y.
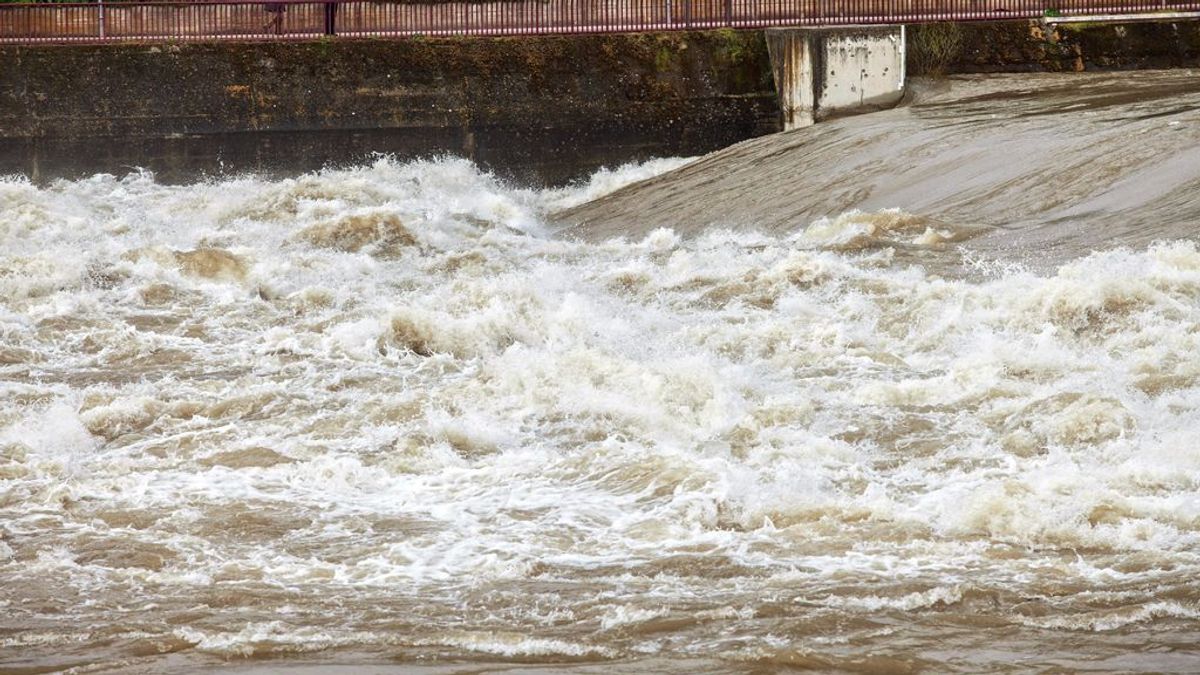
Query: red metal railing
{"type": "Point", "coordinates": [200, 20]}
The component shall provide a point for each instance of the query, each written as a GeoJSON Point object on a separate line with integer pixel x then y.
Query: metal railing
{"type": "Point", "coordinates": [204, 20]}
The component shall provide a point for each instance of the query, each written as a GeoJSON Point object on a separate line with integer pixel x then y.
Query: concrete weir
{"type": "Point", "coordinates": [829, 72]}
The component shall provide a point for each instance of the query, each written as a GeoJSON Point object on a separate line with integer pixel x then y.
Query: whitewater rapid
{"type": "Point", "coordinates": [384, 415]}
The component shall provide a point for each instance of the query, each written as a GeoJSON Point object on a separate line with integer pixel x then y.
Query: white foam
{"type": "Point", "coordinates": [1108, 621]}
{"type": "Point", "coordinates": [511, 644]}
{"type": "Point", "coordinates": [485, 403]}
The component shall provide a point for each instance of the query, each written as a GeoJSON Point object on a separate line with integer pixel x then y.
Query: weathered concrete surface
{"type": "Point", "coordinates": [525, 106]}
{"type": "Point", "coordinates": [824, 73]}
{"type": "Point", "coordinates": [863, 70]}
{"type": "Point", "coordinates": [793, 61]}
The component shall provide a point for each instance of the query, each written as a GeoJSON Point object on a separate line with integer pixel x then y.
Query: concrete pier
{"type": "Point", "coordinates": [829, 72]}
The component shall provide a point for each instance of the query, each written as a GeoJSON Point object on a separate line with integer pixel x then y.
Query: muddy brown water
{"type": "Point", "coordinates": [395, 419]}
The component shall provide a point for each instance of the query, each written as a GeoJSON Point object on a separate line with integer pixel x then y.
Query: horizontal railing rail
{"type": "Point", "coordinates": [203, 20]}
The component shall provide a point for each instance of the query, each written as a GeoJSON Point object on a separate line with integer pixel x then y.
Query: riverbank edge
{"type": "Point", "coordinates": [544, 109]}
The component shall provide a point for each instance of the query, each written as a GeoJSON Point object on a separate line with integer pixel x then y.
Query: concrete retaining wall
{"type": "Point", "coordinates": [539, 108]}
{"type": "Point", "coordinates": [824, 73]}
{"type": "Point", "coordinates": [544, 109]}
{"type": "Point", "coordinates": [1022, 46]}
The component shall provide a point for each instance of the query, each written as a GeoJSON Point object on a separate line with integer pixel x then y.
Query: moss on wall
{"type": "Point", "coordinates": [712, 80]}
{"type": "Point", "coordinates": [550, 107]}
{"type": "Point", "coordinates": [1017, 46]}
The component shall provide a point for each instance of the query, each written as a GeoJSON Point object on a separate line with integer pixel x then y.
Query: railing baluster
{"type": "Point", "coordinates": [157, 20]}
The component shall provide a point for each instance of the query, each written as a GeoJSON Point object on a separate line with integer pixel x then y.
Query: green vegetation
{"type": "Point", "coordinates": [664, 56]}
{"type": "Point", "coordinates": [733, 45]}
{"type": "Point", "coordinates": [933, 47]}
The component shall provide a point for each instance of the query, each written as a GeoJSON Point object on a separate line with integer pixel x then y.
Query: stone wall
{"type": "Point", "coordinates": [1028, 46]}
{"type": "Point", "coordinates": [548, 106]}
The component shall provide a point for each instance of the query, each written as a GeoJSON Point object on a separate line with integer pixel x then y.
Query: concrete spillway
{"type": "Point", "coordinates": [1071, 162]}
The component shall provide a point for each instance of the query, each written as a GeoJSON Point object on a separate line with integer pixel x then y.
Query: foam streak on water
{"type": "Point", "coordinates": [382, 412]}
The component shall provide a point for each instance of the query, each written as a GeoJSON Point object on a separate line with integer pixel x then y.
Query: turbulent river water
{"type": "Point", "coordinates": [393, 416]}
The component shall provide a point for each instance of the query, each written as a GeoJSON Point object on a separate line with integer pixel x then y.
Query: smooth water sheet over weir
{"type": "Point", "coordinates": [1055, 167]}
